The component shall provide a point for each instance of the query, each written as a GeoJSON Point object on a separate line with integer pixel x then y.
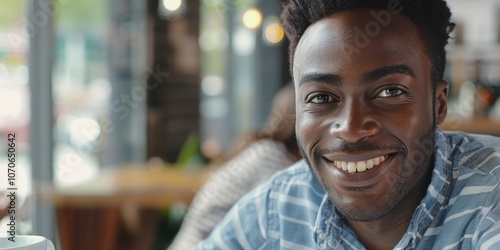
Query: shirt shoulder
{"type": "Point", "coordinates": [475, 161]}
{"type": "Point", "coordinates": [472, 211]}
{"type": "Point", "coordinates": [475, 154]}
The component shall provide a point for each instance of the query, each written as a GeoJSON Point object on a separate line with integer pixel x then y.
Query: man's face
{"type": "Point", "coordinates": [365, 113]}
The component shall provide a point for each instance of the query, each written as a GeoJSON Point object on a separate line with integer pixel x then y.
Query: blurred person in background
{"type": "Point", "coordinates": [259, 156]}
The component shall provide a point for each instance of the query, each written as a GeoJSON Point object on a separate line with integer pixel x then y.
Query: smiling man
{"type": "Point", "coordinates": [377, 171]}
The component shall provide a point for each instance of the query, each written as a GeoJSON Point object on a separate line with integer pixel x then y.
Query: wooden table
{"type": "Point", "coordinates": [129, 184]}
{"type": "Point", "coordinates": [119, 208]}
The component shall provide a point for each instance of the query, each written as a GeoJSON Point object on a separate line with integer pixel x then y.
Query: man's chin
{"type": "Point", "coordinates": [359, 215]}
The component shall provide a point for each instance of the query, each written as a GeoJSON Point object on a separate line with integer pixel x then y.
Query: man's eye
{"type": "Point", "coordinates": [320, 99]}
{"type": "Point", "coordinates": [391, 92]}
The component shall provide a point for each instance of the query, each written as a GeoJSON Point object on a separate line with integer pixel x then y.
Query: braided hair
{"type": "Point", "coordinates": [432, 18]}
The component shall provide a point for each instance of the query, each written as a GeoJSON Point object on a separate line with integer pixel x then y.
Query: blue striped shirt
{"type": "Point", "coordinates": [292, 210]}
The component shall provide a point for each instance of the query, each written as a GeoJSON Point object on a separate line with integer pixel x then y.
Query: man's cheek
{"type": "Point", "coordinates": [305, 130]}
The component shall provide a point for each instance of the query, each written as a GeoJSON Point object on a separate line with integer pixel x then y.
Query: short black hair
{"type": "Point", "coordinates": [432, 18]}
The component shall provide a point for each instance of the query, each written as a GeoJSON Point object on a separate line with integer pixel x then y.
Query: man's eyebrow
{"type": "Point", "coordinates": [367, 77]}
{"type": "Point", "coordinates": [321, 78]}
{"type": "Point", "coordinates": [389, 70]}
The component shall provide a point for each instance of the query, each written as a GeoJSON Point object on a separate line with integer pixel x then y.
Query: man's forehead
{"type": "Point", "coordinates": [351, 31]}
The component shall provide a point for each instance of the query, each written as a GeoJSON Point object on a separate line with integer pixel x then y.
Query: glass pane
{"type": "Point", "coordinates": [81, 89]}
{"type": "Point", "coordinates": [14, 113]}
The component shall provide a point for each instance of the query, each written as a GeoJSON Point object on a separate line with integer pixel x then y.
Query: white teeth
{"type": "Point", "coordinates": [351, 167]}
{"type": "Point", "coordinates": [369, 164]}
{"type": "Point", "coordinates": [344, 165]}
{"type": "Point", "coordinates": [360, 166]}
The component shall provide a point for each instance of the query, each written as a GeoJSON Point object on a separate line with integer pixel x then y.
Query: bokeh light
{"type": "Point", "coordinates": [172, 5]}
{"type": "Point", "coordinates": [213, 85]}
{"type": "Point", "coordinates": [11, 102]}
{"type": "Point", "coordinates": [274, 33]}
{"type": "Point", "coordinates": [84, 130]}
{"type": "Point", "coordinates": [243, 41]}
{"type": "Point", "coordinates": [252, 18]}
{"type": "Point", "coordinates": [211, 148]}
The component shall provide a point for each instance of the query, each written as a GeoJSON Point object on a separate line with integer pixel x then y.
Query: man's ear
{"type": "Point", "coordinates": [441, 101]}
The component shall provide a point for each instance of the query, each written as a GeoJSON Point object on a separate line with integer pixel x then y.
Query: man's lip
{"type": "Point", "coordinates": [363, 179]}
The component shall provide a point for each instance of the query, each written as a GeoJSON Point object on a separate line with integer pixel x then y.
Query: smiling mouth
{"type": "Point", "coordinates": [360, 166]}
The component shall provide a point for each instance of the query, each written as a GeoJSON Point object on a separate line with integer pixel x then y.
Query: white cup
{"type": "Point", "coordinates": [26, 242]}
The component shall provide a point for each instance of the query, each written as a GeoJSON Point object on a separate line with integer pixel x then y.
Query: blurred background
{"type": "Point", "coordinates": [92, 87]}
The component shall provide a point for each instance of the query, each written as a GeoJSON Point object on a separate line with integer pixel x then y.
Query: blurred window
{"type": "Point", "coordinates": [81, 89]}
{"type": "Point", "coordinates": [14, 104]}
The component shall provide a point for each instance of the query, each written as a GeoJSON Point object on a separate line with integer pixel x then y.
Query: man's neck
{"type": "Point", "coordinates": [386, 232]}
{"type": "Point", "coordinates": [383, 233]}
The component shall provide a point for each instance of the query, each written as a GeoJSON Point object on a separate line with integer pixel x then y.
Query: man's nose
{"type": "Point", "coordinates": [354, 122]}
